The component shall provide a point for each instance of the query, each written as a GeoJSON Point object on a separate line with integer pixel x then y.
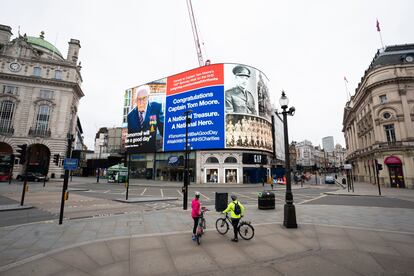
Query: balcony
{"type": "Point", "coordinates": [39, 132]}
{"type": "Point", "coordinates": [6, 130]}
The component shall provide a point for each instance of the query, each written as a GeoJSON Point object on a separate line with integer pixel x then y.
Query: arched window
{"type": "Point", "coordinates": [212, 160]}
{"type": "Point", "coordinates": [230, 159]}
{"type": "Point", "coordinates": [6, 115]}
{"type": "Point", "coordinates": [42, 119]}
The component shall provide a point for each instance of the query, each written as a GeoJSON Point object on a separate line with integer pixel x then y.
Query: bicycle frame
{"type": "Point", "coordinates": [201, 222]}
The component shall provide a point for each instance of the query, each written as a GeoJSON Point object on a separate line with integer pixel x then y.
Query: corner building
{"type": "Point", "coordinates": [378, 121]}
{"type": "Point", "coordinates": [231, 134]}
{"type": "Point", "coordinates": [40, 92]}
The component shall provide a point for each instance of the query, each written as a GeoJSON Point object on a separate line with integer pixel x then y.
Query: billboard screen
{"type": "Point", "coordinates": [229, 108]}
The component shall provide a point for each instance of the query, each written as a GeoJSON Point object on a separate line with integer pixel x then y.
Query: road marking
{"type": "Point", "coordinates": [312, 199]}
{"type": "Point", "coordinates": [205, 197]}
{"type": "Point", "coordinates": [106, 191]}
{"type": "Point", "coordinates": [162, 194]}
{"type": "Point", "coordinates": [143, 192]}
{"type": "Point", "coordinates": [179, 193]}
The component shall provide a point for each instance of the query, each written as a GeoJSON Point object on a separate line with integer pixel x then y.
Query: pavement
{"type": "Point", "coordinates": [329, 240]}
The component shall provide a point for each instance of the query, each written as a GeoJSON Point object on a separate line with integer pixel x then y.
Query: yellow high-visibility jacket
{"type": "Point", "coordinates": [230, 208]}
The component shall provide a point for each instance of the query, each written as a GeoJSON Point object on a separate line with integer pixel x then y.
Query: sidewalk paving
{"type": "Point", "coordinates": [330, 239]}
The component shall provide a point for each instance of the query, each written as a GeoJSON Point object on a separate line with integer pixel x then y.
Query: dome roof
{"type": "Point", "coordinates": [40, 42]}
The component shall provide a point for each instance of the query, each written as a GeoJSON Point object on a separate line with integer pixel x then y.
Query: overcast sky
{"type": "Point", "coordinates": [304, 47]}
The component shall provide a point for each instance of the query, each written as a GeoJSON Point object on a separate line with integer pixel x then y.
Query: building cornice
{"type": "Point", "coordinates": [60, 83]}
{"type": "Point", "coordinates": [364, 92]}
{"type": "Point", "coordinates": [39, 60]}
{"type": "Point", "coordinates": [404, 146]}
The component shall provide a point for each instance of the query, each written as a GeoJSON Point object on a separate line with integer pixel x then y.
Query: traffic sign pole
{"type": "Point", "coordinates": [27, 162]}
{"type": "Point", "coordinates": [65, 180]}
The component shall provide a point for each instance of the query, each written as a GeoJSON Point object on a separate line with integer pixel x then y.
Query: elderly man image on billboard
{"type": "Point", "coordinates": [239, 99]}
{"type": "Point", "coordinates": [146, 115]}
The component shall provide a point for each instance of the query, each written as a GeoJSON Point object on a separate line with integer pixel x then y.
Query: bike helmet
{"type": "Point", "coordinates": [197, 194]}
{"type": "Point", "coordinates": [233, 197]}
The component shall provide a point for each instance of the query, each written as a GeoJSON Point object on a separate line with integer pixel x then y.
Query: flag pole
{"type": "Point", "coordinates": [348, 95]}
{"type": "Point", "coordinates": [379, 32]}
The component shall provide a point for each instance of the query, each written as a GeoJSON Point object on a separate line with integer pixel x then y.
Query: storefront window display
{"type": "Point", "coordinates": [231, 175]}
{"type": "Point", "coordinates": [212, 175]}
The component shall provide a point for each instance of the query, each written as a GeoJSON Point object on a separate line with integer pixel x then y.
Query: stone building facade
{"type": "Point", "coordinates": [378, 120]}
{"type": "Point", "coordinates": [40, 92]}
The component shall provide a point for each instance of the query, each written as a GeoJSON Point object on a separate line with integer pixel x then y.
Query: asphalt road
{"type": "Point", "coordinates": [97, 199]}
{"type": "Point", "coordinates": [367, 201]}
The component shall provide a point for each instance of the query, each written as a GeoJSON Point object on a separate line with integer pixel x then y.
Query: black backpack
{"type": "Point", "coordinates": [237, 209]}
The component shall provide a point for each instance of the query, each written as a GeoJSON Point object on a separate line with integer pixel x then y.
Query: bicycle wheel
{"type": "Point", "coordinates": [198, 239]}
{"type": "Point", "coordinates": [222, 226]}
{"type": "Point", "coordinates": [203, 224]}
{"type": "Point", "coordinates": [246, 231]}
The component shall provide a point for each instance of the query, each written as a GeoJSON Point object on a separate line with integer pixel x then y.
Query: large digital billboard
{"type": "Point", "coordinates": [229, 108]}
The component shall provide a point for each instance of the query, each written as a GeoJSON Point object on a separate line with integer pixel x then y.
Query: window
{"type": "Point", "coordinates": [127, 98]}
{"type": "Point", "coordinates": [383, 98]}
{"type": "Point", "coordinates": [390, 133]}
{"type": "Point", "coordinates": [212, 175]}
{"type": "Point", "coordinates": [230, 160]}
{"type": "Point", "coordinates": [36, 71]}
{"type": "Point", "coordinates": [46, 94]}
{"type": "Point", "coordinates": [212, 160]}
{"type": "Point", "coordinates": [386, 115]}
{"type": "Point", "coordinates": [6, 115]}
{"type": "Point", "coordinates": [42, 119]}
{"type": "Point", "coordinates": [10, 89]}
{"type": "Point", "coordinates": [58, 74]}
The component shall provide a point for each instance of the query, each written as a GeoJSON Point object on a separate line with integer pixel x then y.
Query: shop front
{"type": "Point", "coordinates": [395, 170]}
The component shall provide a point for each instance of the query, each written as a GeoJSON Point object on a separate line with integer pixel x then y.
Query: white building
{"type": "Point", "coordinates": [328, 143]}
{"type": "Point", "coordinates": [40, 92]}
{"type": "Point", "coordinates": [378, 122]}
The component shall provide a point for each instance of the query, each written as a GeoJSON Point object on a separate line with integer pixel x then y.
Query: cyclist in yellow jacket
{"type": "Point", "coordinates": [235, 218]}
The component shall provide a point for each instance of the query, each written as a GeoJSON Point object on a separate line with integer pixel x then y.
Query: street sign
{"type": "Point", "coordinates": [70, 164]}
{"type": "Point", "coordinates": [347, 166]}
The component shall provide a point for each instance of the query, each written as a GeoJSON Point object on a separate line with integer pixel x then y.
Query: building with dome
{"type": "Point", "coordinates": [40, 91]}
{"type": "Point", "coordinates": [378, 121]}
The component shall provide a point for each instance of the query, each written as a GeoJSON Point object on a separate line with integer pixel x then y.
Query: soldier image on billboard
{"type": "Point", "coordinates": [265, 109]}
{"type": "Point", "coordinates": [238, 98]}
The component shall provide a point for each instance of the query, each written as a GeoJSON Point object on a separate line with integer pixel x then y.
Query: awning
{"type": "Point", "coordinates": [392, 160]}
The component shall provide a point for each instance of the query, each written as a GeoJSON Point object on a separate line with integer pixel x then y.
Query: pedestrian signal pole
{"type": "Point", "coordinates": [127, 182]}
{"type": "Point", "coordinates": [65, 193]}
{"type": "Point", "coordinates": [24, 154]}
{"type": "Point", "coordinates": [378, 167]}
{"type": "Point", "coordinates": [186, 160]}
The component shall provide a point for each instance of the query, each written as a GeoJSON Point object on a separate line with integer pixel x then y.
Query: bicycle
{"type": "Point", "coordinates": [245, 228]}
{"type": "Point", "coordinates": [201, 225]}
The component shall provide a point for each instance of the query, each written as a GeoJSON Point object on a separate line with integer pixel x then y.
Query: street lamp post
{"type": "Point", "coordinates": [186, 160]}
{"type": "Point", "coordinates": [289, 220]}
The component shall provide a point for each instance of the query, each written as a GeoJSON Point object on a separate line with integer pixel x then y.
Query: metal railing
{"type": "Point", "coordinates": [6, 130]}
{"type": "Point", "coordinates": [39, 132]}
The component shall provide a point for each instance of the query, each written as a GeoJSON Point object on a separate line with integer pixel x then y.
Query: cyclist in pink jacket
{"type": "Point", "coordinates": [195, 212]}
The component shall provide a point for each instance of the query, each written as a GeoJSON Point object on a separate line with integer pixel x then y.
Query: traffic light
{"type": "Point", "coordinates": [22, 152]}
{"type": "Point", "coordinates": [56, 158]}
{"type": "Point", "coordinates": [378, 165]}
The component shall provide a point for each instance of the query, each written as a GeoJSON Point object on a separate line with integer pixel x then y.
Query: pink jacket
{"type": "Point", "coordinates": [195, 208]}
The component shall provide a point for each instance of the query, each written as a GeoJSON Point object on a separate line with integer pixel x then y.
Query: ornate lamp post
{"type": "Point", "coordinates": [289, 220]}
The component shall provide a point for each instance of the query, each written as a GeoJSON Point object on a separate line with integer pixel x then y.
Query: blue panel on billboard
{"type": "Point", "coordinates": [206, 130]}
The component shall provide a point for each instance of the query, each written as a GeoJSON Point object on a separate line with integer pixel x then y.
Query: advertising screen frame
{"type": "Point", "coordinates": [218, 95]}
